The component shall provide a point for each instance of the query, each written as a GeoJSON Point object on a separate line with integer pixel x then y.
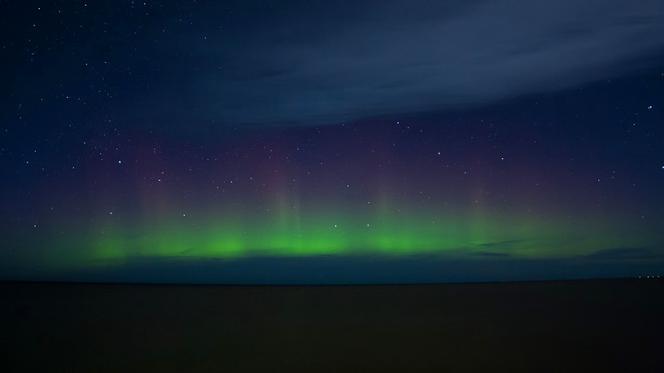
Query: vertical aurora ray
{"type": "Point", "coordinates": [260, 198]}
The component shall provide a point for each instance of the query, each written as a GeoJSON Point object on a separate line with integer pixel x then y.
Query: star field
{"type": "Point", "coordinates": [141, 138]}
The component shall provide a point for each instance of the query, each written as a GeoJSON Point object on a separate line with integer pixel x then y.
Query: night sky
{"type": "Point", "coordinates": [331, 141]}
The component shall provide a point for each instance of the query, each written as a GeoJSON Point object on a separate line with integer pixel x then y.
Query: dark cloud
{"type": "Point", "coordinates": [491, 254]}
{"type": "Point", "coordinates": [625, 253]}
{"type": "Point", "coordinates": [502, 244]}
{"type": "Point", "coordinates": [318, 64]}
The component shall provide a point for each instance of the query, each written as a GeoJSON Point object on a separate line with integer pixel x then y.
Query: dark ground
{"type": "Point", "coordinates": [582, 326]}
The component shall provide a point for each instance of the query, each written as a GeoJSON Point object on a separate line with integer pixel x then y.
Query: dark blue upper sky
{"type": "Point", "coordinates": [314, 62]}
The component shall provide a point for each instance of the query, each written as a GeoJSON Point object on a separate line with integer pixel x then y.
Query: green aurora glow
{"type": "Point", "coordinates": [330, 232]}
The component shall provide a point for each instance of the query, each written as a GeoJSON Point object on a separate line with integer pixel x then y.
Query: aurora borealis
{"type": "Point", "coordinates": [122, 159]}
{"type": "Point", "coordinates": [283, 194]}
